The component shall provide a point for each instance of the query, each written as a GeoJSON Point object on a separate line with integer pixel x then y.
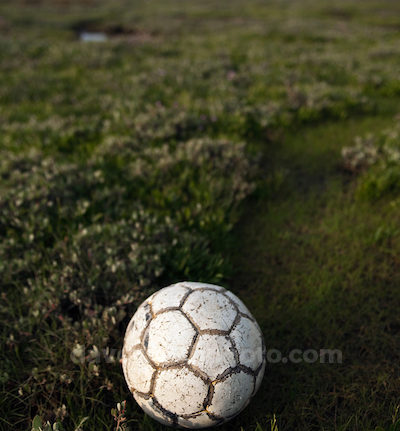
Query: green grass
{"type": "Point", "coordinates": [202, 141]}
{"type": "Point", "coordinates": [315, 270]}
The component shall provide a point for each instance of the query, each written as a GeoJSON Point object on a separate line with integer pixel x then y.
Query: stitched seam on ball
{"type": "Point", "coordinates": [213, 332]}
{"type": "Point", "coordinates": [165, 412]}
{"type": "Point", "coordinates": [199, 373]}
{"type": "Point", "coordinates": [196, 328]}
{"type": "Point", "coordinates": [149, 303]}
{"type": "Point", "coordinates": [247, 317]}
{"type": "Point", "coordinates": [234, 370]}
{"type": "Point", "coordinates": [235, 350]}
{"type": "Point", "coordinates": [238, 317]}
{"type": "Point", "coordinates": [200, 289]}
{"type": "Point", "coordinates": [246, 370]}
{"type": "Point", "coordinates": [145, 395]}
{"type": "Point", "coordinates": [192, 415]}
{"type": "Point", "coordinates": [127, 353]}
{"type": "Point", "coordinates": [171, 366]}
{"type": "Point", "coordinates": [236, 305]}
{"type": "Point", "coordinates": [215, 418]}
{"type": "Point", "coordinates": [193, 345]}
{"type": "Point", "coordinates": [210, 394]}
{"type": "Point", "coordinates": [146, 326]}
{"type": "Point", "coordinates": [204, 289]}
{"type": "Point", "coordinates": [185, 296]}
{"type": "Point", "coordinates": [151, 362]}
{"type": "Point", "coordinates": [165, 310]}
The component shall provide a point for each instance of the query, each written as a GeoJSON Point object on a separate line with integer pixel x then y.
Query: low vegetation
{"type": "Point", "coordinates": [200, 141]}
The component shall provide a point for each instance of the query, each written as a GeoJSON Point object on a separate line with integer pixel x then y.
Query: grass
{"type": "Point", "coordinates": [318, 275]}
{"type": "Point", "coordinates": [201, 141]}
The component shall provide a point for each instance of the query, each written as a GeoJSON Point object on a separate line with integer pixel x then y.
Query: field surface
{"type": "Point", "coordinates": [254, 144]}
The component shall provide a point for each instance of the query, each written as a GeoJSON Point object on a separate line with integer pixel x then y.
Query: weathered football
{"type": "Point", "coordinates": [193, 355]}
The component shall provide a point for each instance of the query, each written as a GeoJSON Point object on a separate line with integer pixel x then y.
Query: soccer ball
{"type": "Point", "coordinates": [193, 355]}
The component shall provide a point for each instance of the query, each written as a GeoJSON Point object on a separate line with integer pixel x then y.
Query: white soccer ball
{"type": "Point", "coordinates": [193, 355]}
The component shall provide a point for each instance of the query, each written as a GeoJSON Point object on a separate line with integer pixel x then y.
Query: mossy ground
{"type": "Point", "coordinates": [318, 273]}
{"type": "Point", "coordinates": [201, 141]}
